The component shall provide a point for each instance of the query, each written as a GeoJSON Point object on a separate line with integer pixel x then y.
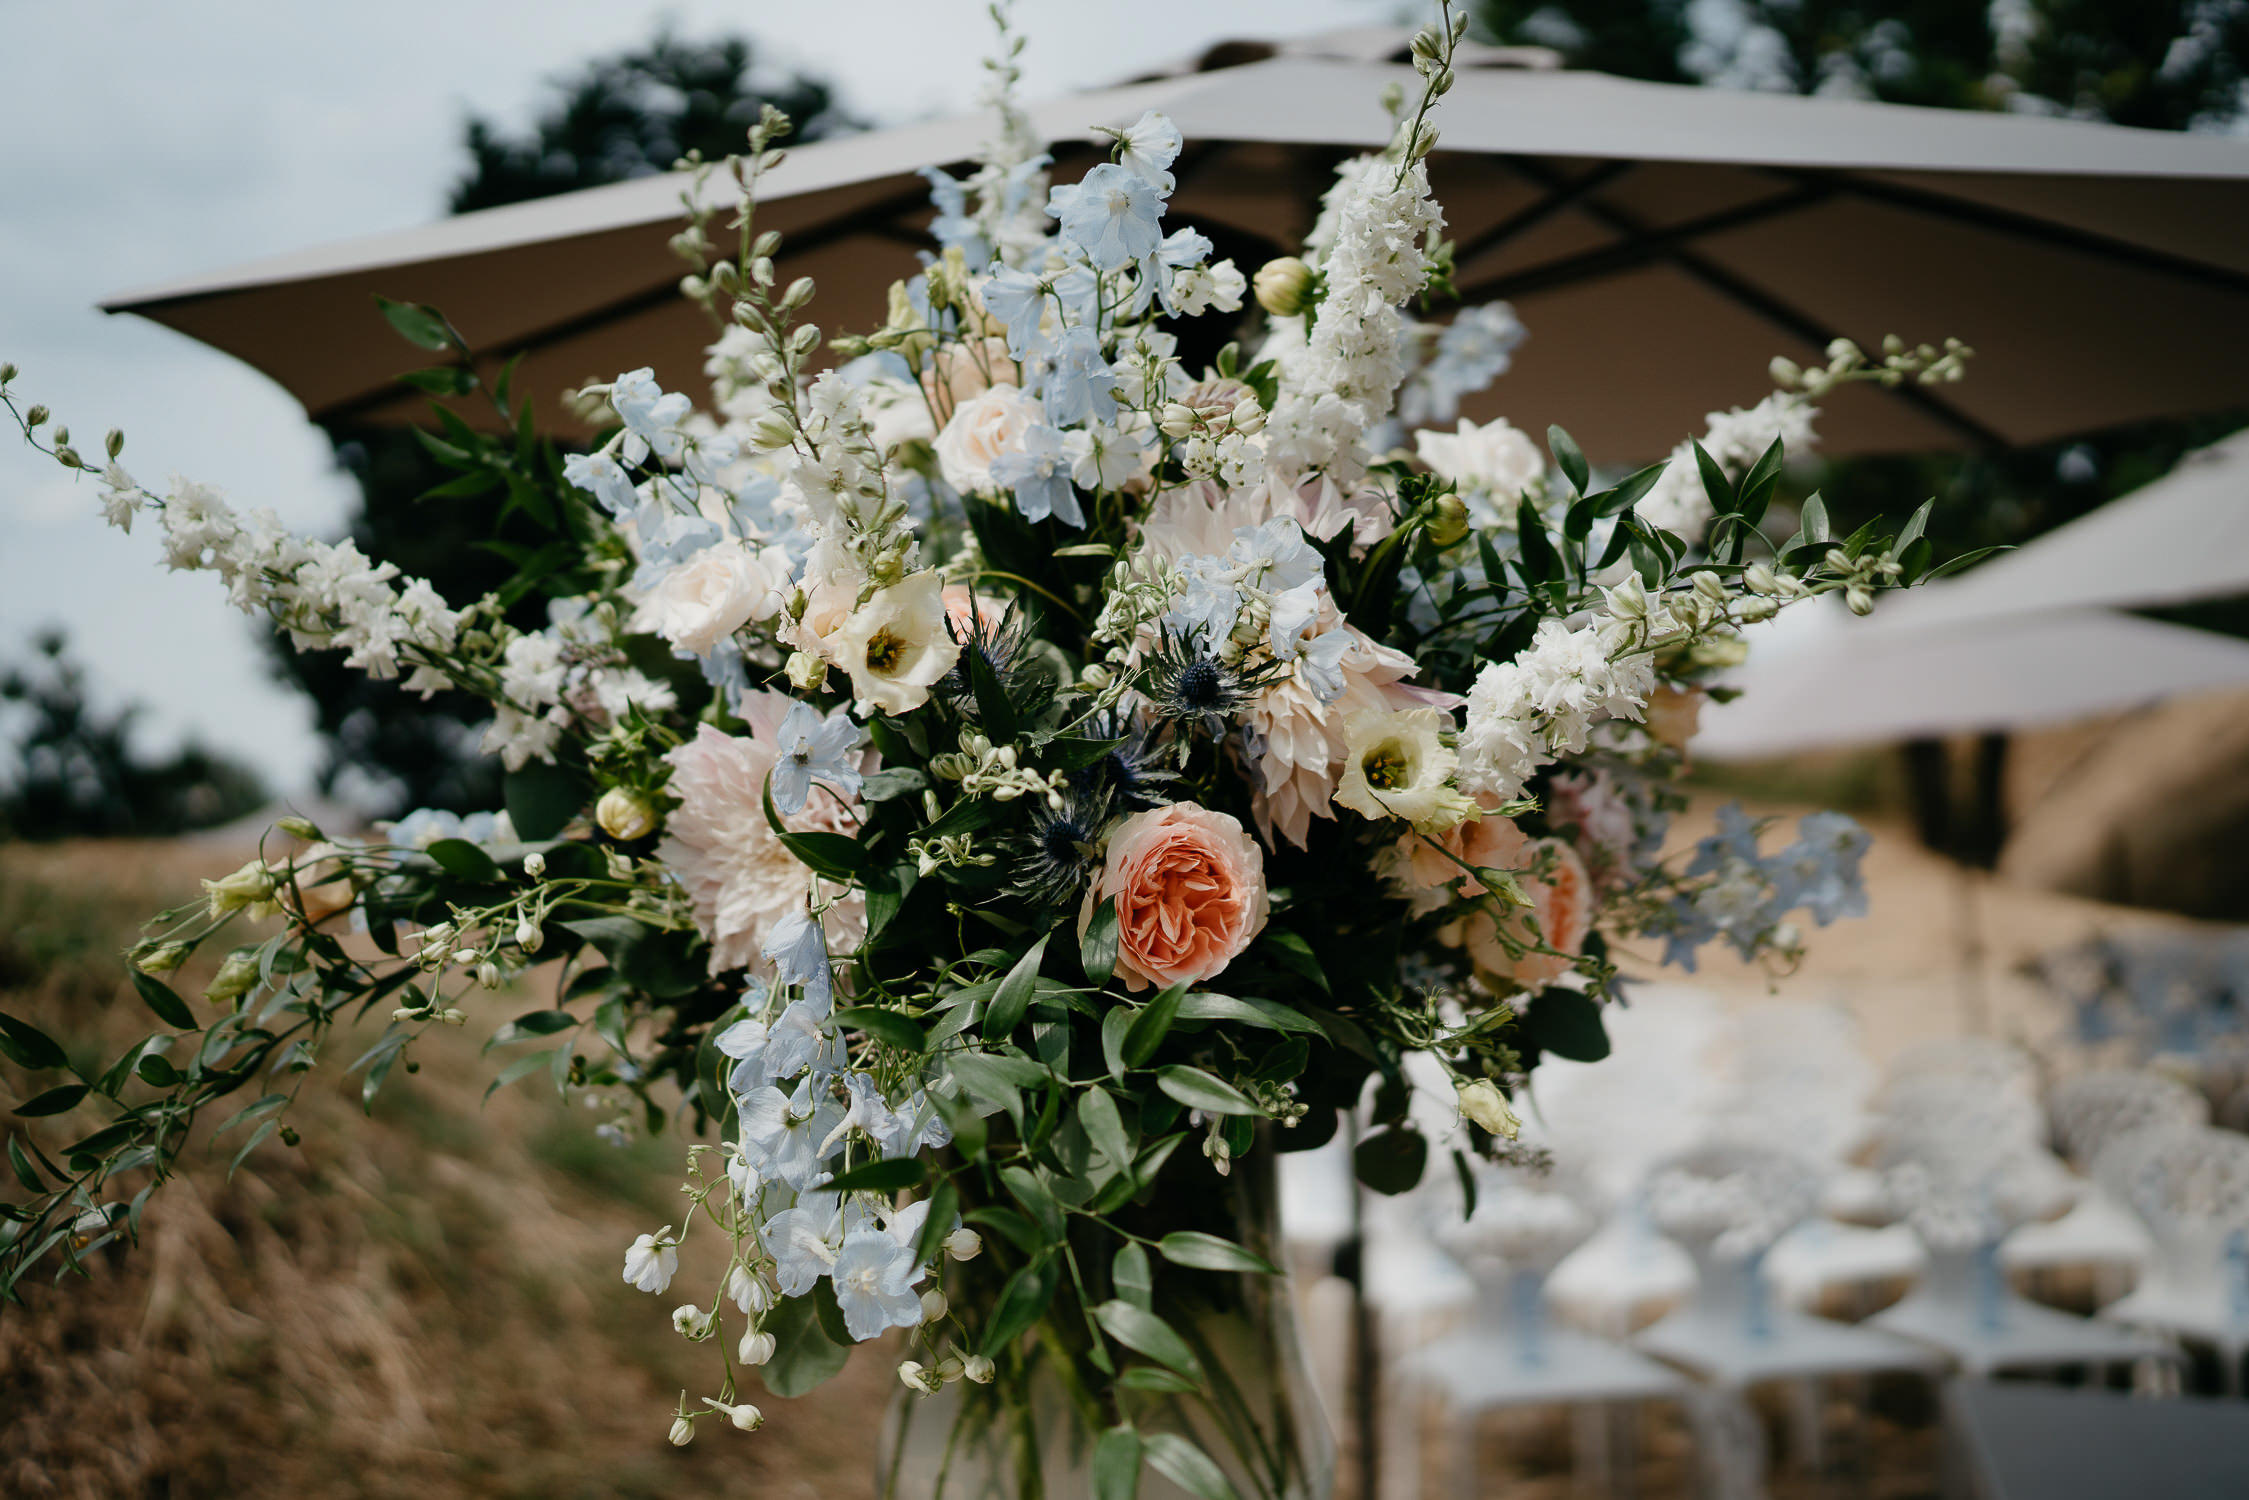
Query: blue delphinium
{"type": "Point", "coordinates": [815, 749]}
{"type": "Point", "coordinates": [1039, 476]}
{"type": "Point", "coordinates": [1080, 386]}
{"type": "Point", "coordinates": [1114, 215]}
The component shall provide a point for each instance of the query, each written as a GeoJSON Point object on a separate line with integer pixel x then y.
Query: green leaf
{"type": "Point", "coordinates": [541, 800]}
{"type": "Point", "coordinates": [1156, 1378]}
{"type": "Point", "coordinates": [29, 1047]}
{"type": "Point", "coordinates": [53, 1102]}
{"type": "Point", "coordinates": [1114, 1024]}
{"type": "Point", "coordinates": [532, 1024]}
{"type": "Point", "coordinates": [26, 1174]}
{"type": "Point", "coordinates": [1116, 1464]}
{"type": "Point", "coordinates": [1569, 456]}
{"type": "Point", "coordinates": [891, 781]}
{"type": "Point", "coordinates": [1715, 485]}
{"type": "Point", "coordinates": [829, 1313]}
{"type": "Point", "coordinates": [1097, 950]}
{"type": "Point", "coordinates": [1132, 1276]}
{"type": "Point", "coordinates": [1014, 994]}
{"type": "Point", "coordinates": [1567, 1023]}
{"type": "Point", "coordinates": [1269, 1015]}
{"type": "Point", "coordinates": [1143, 1332]}
{"type": "Point", "coordinates": [1537, 562]}
{"type": "Point", "coordinates": [445, 380]}
{"type": "Point", "coordinates": [160, 997]}
{"type": "Point", "coordinates": [804, 1355]}
{"type": "Point", "coordinates": [1024, 1186]}
{"type": "Point", "coordinates": [995, 714]}
{"type": "Point", "coordinates": [834, 855]}
{"type": "Point", "coordinates": [1467, 1177]}
{"type": "Point", "coordinates": [885, 1026]}
{"type": "Point", "coordinates": [1017, 1230]}
{"type": "Point", "coordinates": [522, 1067]}
{"type": "Point", "coordinates": [1199, 1090]}
{"type": "Point", "coordinates": [881, 1176]}
{"type": "Point", "coordinates": [937, 1223]}
{"type": "Point", "coordinates": [964, 1122]}
{"type": "Point", "coordinates": [1186, 1465]}
{"type": "Point", "coordinates": [157, 1071]}
{"type": "Point", "coordinates": [1207, 1252]}
{"type": "Point", "coordinates": [1913, 528]}
{"type": "Point", "coordinates": [1390, 1161]}
{"type": "Point", "coordinates": [464, 861]}
{"type": "Point", "coordinates": [1097, 1112]}
{"type": "Point", "coordinates": [1151, 1025]}
{"type": "Point", "coordinates": [1021, 1303]}
{"type": "Point", "coordinates": [423, 327]}
{"type": "Point", "coordinates": [1295, 955]}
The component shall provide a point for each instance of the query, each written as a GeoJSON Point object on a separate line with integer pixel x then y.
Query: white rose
{"type": "Point", "coordinates": [1495, 456]}
{"type": "Point", "coordinates": [715, 593]}
{"type": "Point", "coordinates": [896, 646]}
{"type": "Point", "coordinates": [983, 427]}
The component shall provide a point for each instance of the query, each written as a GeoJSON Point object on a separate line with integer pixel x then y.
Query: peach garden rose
{"type": "Point", "coordinates": [1189, 885]}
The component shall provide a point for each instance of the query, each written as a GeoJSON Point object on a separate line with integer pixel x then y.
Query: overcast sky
{"type": "Point", "coordinates": [151, 138]}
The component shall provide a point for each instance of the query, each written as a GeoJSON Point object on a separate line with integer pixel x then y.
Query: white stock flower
{"type": "Point", "coordinates": [1496, 457]}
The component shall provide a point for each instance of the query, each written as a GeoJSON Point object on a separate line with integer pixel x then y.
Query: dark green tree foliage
{"type": "Point", "coordinates": [2166, 64]}
{"type": "Point", "coordinates": [617, 118]}
{"type": "Point", "coordinates": [69, 770]}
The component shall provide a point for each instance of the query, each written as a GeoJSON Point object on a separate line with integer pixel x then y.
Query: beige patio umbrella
{"type": "Point", "coordinates": [1661, 242]}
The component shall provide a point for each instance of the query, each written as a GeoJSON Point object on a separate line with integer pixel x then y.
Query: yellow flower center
{"type": "Point", "coordinates": [1387, 767]}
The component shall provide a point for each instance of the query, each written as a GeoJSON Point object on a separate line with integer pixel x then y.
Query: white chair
{"type": "Point", "coordinates": [1727, 1206]}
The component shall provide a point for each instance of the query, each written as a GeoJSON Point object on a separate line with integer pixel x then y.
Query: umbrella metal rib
{"type": "Point", "coordinates": [1753, 298]}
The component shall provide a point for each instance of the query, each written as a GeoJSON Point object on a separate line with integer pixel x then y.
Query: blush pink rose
{"type": "Point", "coordinates": [1189, 885]}
{"type": "Point", "coordinates": [1561, 902]}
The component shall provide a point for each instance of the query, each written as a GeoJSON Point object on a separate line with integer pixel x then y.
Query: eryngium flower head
{"type": "Point", "coordinates": [1186, 684]}
{"type": "Point", "coordinates": [1059, 850]}
{"type": "Point", "coordinates": [1131, 775]}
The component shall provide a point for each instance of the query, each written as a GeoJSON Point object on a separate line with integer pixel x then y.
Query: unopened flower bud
{"type": "Point", "coordinates": [1860, 599]}
{"type": "Point", "coordinates": [683, 1432]}
{"type": "Point", "coordinates": [1785, 372]}
{"type": "Point", "coordinates": [915, 1376]}
{"type": "Point", "coordinates": [1759, 579]}
{"type": "Point", "coordinates": [1482, 1102]}
{"type": "Point", "coordinates": [1448, 519]}
{"type": "Point", "coordinates": [236, 977]}
{"type": "Point", "coordinates": [299, 828]}
{"type": "Point", "coordinates": [933, 1305]}
{"type": "Point", "coordinates": [7, 373]}
{"type": "Point", "coordinates": [36, 417]}
{"type": "Point", "coordinates": [114, 443]}
{"type": "Point", "coordinates": [756, 1348]}
{"type": "Point", "coordinates": [744, 1416]}
{"type": "Point", "coordinates": [806, 671]}
{"type": "Point", "coordinates": [624, 814]}
{"type": "Point", "coordinates": [453, 1016]}
{"type": "Point", "coordinates": [978, 1369]}
{"type": "Point", "coordinates": [1629, 599]}
{"type": "Point", "coordinates": [528, 937]}
{"type": "Point", "coordinates": [1284, 286]}
{"type": "Point", "coordinates": [535, 865]}
{"type": "Point", "coordinates": [160, 958]}
{"type": "Point", "coordinates": [964, 1244]}
{"type": "Point", "coordinates": [1711, 589]}
{"type": "Point", "coordinates": [488, 975]}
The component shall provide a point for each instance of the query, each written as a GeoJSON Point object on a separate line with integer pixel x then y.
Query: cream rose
{"type": "Point", "coordinates": [981, 429]}
{"type": "Point", "coordinates": [1495, 456]}
{"type": "Point", "coordinates": [956, 375]}
{"type": "Point", "coordinates": [896, 646]}
{"type": "Point", "coordinates": [1189, 885]}
{"type": "Point", "coordinates": [715, 593]}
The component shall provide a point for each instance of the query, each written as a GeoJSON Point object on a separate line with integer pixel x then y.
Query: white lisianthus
{"type": "Point", "coordinates": [651, 1261]}
{"type": "Point", "coordinates": [1496, 456]}
{"type": "Point", "coordinates": [1482, 1102]}
{"type": "Point", "coordinates": [715, 593]}
{"type": "Point", "coordinates": [896, 646]}
{"type": "Point", "coordinates": [985, 427]}
{"type": "Point", "coordinates": [1397, 765]}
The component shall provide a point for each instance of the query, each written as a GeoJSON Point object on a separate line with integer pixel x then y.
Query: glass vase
{"type": "Point", "coordinates": [1030, 1434]}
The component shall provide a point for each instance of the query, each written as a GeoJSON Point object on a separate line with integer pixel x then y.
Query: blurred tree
{"type": "Point", "coordinates": [67, 770]}
{"type": "Point", "coordinates": [2167, 64]}
{"type": "Point", "coordinates": [616, 118]}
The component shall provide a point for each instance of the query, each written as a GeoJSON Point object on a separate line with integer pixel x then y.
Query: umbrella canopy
{"type": "Point", "coordinates": [1661, 242]}
{"type": "Point", "coordinates": [1816, 678]}
{"type": "Point", "coordinates": [2181, 538]}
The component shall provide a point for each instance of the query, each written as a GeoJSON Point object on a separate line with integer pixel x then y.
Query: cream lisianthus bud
{"type": "Point", "coordinates": [298, 828]}
{"type": "Point", "coordinates": [1860, 599]}
{"type": "Point", "coordinates": [683, 1432]}
{"type": "Point", "coordinates": [1759, 579]}
{"type": "Point", "coordinates": [1482, 1102]}
{"type": "Point", "coordinates": [249, 889]}
{"type": "Point", "coordinates": [1284, 287]}
{"type": "Point", "coordinates": [159, 958]}
{"type": "Point", "coordinates": [756, 1348]}
{"type": "Point", "coordinates": [806, 671]}
{"type": "Point", "coordinates": [535, 865]}
{"type": "Point", "coordinates": [236, 977]}
{"type": "Point", "coordinates": [964, 1244]}
{"type": "Point", "coordinates": [624, 814]}
{"type": "Point", "coordinates": [978, 1369]}
{"type": "Point", "coordinates": [933, 1305]}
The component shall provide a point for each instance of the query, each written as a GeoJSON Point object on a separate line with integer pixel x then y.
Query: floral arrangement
{"type": "Point", "coordinates": [961, 766]}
